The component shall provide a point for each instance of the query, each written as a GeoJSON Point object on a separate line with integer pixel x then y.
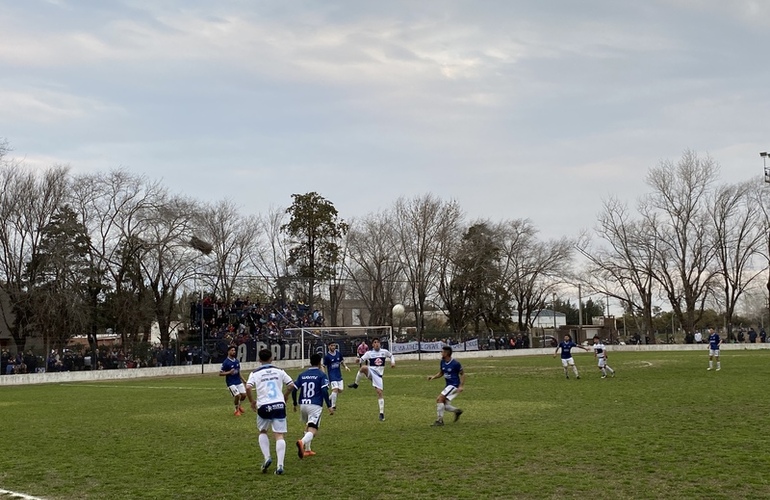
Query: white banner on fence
{"type": "Point", "coordinates": [407, 347]}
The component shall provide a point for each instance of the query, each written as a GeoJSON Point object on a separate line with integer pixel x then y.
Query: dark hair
{"type": "Point", "coordinates": [265, 355]}
{"type": "Point", "coordinates": [447, 349]}
{"type": "Point", "coordinates": [315, 359]}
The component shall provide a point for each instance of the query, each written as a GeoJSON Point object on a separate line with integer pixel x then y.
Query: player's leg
{"type": "Point", "coordinates": [236, 398]}
{"type": "Point", "coordinates": [279, 430]}
{"type": "Point", "coordinates": [362, 373]}
{"type": "Point", "coordinates": [313, 422]}
{"type": "Point", "coordinates": [719, 365]}
{"type": "Point", "coordinates": [574, 367]}
{"type": "Point", "coordinates": [264, 442]}
{"type": "Point", "coordinates": [450, 393]}
{"type": "Point", "coordinates": [564, 364]}
{"type": "Point", "coordinates": [440, 401]}
{"type": "Point", "coordinates": [711, 357]}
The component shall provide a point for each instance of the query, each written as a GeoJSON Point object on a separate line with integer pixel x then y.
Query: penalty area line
{"type": "Point", "coordinates": [15, 494]}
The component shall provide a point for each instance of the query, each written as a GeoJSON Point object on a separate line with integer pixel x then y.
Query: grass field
{"type": "Point", "coordinates": [663, 428]}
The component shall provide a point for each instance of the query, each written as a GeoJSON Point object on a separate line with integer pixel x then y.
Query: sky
{"type": "Point", "coordinates": [515, 109]}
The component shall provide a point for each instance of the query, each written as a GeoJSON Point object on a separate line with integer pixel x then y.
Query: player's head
{"type": "Point", "coordinates": [333, 346]}
{"type": "Point", "coordinates": [567, 337]}
{"type": "Point", "coordinates": [596, 339]}
{"type": "Point", "coordinates": [446, 352]}
{"type": "Point", "coordinates": [265, 355]}
{"type": "Point", "coordinates": [231, 351]}
{"type": "Point", "coordinates": [315, 359]}
{"type": "Point", "coordinates": [375, 344]}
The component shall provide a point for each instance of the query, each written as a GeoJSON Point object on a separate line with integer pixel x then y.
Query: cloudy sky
{"type": "Point", "coordinates": [514, 108]}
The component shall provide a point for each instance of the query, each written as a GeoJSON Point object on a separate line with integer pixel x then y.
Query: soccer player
{"type": "Point", "coordinates": [373, 368]}
{"type": "Point", "coordinates": [269, 380]}
{"type": "Point", "coordinates": [231, 370]}
{"type": "Point", "coordinates": [714, 342]}
{"type": "Point", "coordinates": [600, 353]}
{"type": "Point", "coordinates": [454, 375]}
{"type": "Point", "coordinates": [566, 346]}
{"type": "Point", "coordinates": [333, 361]}
{"type": "Point", "coordinates": [313, 391]}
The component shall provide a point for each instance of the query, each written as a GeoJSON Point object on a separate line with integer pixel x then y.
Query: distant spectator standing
{"type": "Point", "coordinates": [762, 335]}
{"type": "Point", "coordinates": [698, 338]}
{"type": "Point", "coordinates": [752, 335]}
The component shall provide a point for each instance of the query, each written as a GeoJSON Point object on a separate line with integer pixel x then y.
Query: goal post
{"type": "Point", "coordinates": [317, 339]}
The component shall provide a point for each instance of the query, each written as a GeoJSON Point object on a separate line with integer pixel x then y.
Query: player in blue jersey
{"type": "Point", "coordinates": [333, 363]}
{"type": "Point", "coordinates": [566, 347]}
{"type": "Point", "coordinates": [272, 386]}
{"type": "Point", "coordinates": [231, 370]}
{"type": "Point", "coordinates": [312, 391]}
{"type": "Point", "coordinates": [373, 368]}
{"type": "Point", "coordinates": [453, 374]}
{"type": "Point", "coordinates": [714, 342]}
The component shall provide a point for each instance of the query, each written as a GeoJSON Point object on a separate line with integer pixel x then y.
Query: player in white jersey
{"type": "Point", "coordinates": [373, 368]}
{"type": "Point", "coordinates": [272, 386]}
{"type": "Point", "coordinates": [600, 353]}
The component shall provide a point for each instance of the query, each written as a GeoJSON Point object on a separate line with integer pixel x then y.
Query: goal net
{"type": "Point", "coordinates": [300, 343]}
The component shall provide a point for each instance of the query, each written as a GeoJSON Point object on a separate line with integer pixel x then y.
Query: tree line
{"type": "Point", "coordinates": [83, 253]}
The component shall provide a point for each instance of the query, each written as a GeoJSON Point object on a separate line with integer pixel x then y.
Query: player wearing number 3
{"type": "Point", "coordinates": [272, 386]}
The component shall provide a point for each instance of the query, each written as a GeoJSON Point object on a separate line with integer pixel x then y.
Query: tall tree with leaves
{"type": "Point", "coordinates": [60, 281]}
{"type": "Point", "coordinates": [315, 230]}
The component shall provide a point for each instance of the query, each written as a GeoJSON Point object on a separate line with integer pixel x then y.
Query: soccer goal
{"type": "Point", "coordinates": [317, 339]}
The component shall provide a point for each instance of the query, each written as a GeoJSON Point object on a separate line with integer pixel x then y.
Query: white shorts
{"type": "Point", "coordinates": [568, 361]}
{"type": "Point", "coordinates": [449, 392]}
{"type": "Point", "coordinates": [278, 424]}
{"type": "Point", "coordinates": [337, 384]}
{"type": "Point", "coordinates": [376, 378]}
{"type": "Point", "coordinates": [714, 352]}
{"type": "Point", "coordinates": [235, 390]}
{"type": "Point", "coordinates": [602, 362]}
{"type": "Point", "coordinates": [310, 414]}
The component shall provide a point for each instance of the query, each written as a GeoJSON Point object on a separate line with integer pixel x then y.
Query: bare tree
{"type": "Point", "coordinates": [233, 239]}
{"type": "Point", "coordinates": [271, 254]}
{"type": "Point", "coordinates": [531, 269]}
{"type": "Point", "coordinates": [113, 207]}
{"type": "Point", "coordinates": [677, 213]}
{"type": "Point", "coordinates": [168, 260]}
{"type": "Point", "coordinates": [426, 228]}
{"type": "Point", "coordinates": [374, 271]}
{"type": "Point", "coordinates": [623, 267]}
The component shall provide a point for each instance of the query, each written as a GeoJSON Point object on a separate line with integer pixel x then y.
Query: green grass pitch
{"type": "Point", "coordinates": [663, 428]}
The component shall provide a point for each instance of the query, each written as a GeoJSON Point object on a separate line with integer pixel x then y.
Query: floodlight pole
{"type": "Point", "coordinates": [764, 155]}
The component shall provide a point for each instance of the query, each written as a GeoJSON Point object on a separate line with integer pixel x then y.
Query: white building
{"type": "Point", "coordinates": [544, 318]}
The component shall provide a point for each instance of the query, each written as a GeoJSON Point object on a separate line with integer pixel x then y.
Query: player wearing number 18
{"type": "Point", "coordinates": [270, 405]}
{"type": "Point", "coordinates": [312, 391]}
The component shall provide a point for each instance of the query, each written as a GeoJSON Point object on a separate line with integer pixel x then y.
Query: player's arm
{"type": "Point", "coordinates": [325, 393]}
{"type": "Point", "coordinates": [392, 360]}
{"type": "Point", "coordinates": [250, 395]}
{"type": "Point", "coordinates": [440, 373]}
{"type": "Point", "coordinates": [556, 351]}
{"type": "Point", "coordinates": [294, 398]}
